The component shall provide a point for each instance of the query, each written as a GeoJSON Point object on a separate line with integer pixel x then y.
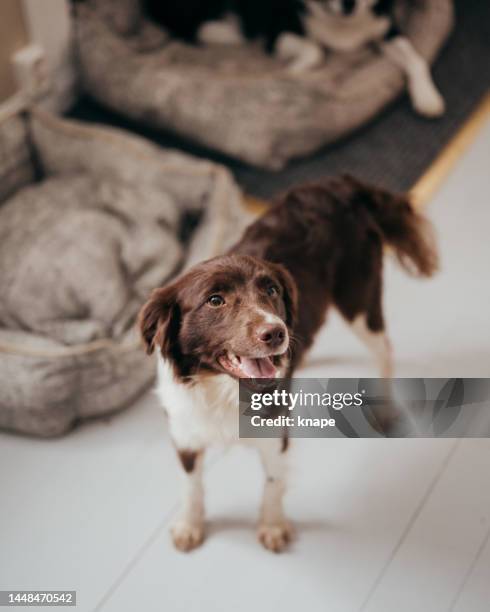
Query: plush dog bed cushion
{"type": "Point", "coordinates": [237, 99]}
{"type": "Point", "coordinates": [79, 253]}
{"type": "Point", "coordinates": [88, 250]}
{"type": "Point", "coordinates": [46, 388]}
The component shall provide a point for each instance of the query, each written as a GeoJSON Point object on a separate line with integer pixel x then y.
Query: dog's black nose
{"type": "Point", "coordinates": [272, 335]}
{"type": "Point", "coordinates": [348, 6]}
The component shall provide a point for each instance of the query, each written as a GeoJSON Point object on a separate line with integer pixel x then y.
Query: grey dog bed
{"type": "Point", "coordinates": [90, 222]}
{"type": "Point", "coordinates": [238, 100]}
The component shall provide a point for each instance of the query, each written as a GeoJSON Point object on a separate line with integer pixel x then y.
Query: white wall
{"type": "Point", "coordinates": [48, 23]}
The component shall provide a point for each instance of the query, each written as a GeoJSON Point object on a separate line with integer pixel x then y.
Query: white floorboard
{"type": "Point", "coordinates": [433, 559]}
{"type": "Point", "coordinates": [345, 532]}
{"type": "Point", "coordinates": [74, 511]}
{"type": "Point", "coordinates": [382, 525]}
{"type": "Point", "coordinates": [474, 593]}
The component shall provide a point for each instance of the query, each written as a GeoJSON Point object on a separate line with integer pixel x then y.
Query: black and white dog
{"type": "Point", "coordinates": [300, 31]}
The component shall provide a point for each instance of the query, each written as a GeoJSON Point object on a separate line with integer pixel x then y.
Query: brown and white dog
{"type": "Point", "coordinates": [253, 313]}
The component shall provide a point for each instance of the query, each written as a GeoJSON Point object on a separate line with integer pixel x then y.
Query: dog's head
{"type": "Point", "coordinates": [231, 314]}
{"type": "Point", "coordinates": [348, 7]}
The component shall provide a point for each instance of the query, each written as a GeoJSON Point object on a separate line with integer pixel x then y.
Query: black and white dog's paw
{"type": "Point", "coordinates": [426, 99]}
{"type": "Point", "coordinates": [222, 32]}
{"type": "Point", "coordinates": [302, 53]}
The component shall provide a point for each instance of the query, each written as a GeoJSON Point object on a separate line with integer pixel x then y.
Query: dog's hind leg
{"type": "Point", "coordinates": [274, 530]}
{"type": "Point", "coordinates": [424, 95]}
{"type": "Point", "coordinates": [359, 300]}
{"type": "Point", "coordinates": [366, 320]}
{"type": "Point", "coordinates": [385, 417]}
{"type": "Point", "coordinates": [376, 340]}
{"type": "Point", "coordinates": [358, 297]}
{"type": "Point", "coordinates": [188, 529]}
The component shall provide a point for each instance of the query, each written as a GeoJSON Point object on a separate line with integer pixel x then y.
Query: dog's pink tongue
{"type": "Point", "coordinates": [258, 368]}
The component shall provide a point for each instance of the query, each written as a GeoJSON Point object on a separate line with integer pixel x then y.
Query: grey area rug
{"type": "Point", "coordinates": [395, 149]}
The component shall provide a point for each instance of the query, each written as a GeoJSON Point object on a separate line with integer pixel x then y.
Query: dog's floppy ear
{"type": "Point", "coordinates": [158, 320]}
{"type": "Point", "coordinates": [290, 293]}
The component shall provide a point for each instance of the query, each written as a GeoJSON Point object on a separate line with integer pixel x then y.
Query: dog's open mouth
{"type": "Point", "coordinates": [249, 367]}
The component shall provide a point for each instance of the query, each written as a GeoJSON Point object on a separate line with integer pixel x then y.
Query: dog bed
{"type": "Point", "coordinates": [238, 100]}
{"type": "Point", "coordinates": [90, 221]}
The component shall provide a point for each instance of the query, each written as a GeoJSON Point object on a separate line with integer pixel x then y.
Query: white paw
{"type": "Point", "coordinates": [220, 33]}
{"type": "Point", "coordinates": [187, 536]}
{"type": "Point", "coordinates": [305, 63]}
{"type": "Point", "coordinates": [275, 537]}
{"type": "Point", "coordinates": [302, 54]}
{"type": "Point", "coordinates": [427, 101]}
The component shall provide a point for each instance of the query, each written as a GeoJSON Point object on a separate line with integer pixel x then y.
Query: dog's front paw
{"type": "Point", "coordinates": [305, 63]}
{"type": "Point", "coordinates": [187, 536]}
{"type": "Point", "coordinates": [275, 536]}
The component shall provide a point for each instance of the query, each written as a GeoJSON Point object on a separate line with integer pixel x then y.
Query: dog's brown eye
{"type": "Point", "coordinates": [216, 301]}
{"type": "Point", "coordinates": [272, 290]}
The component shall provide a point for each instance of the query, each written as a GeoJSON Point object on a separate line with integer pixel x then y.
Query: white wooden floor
{"type": "Point", "coordinates": [382, 525]}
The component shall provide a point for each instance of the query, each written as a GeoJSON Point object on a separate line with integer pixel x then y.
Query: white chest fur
{"type": "Point", "coordinates": [343, 33]}
{"type": "Point", "coordinates": [201, 414]}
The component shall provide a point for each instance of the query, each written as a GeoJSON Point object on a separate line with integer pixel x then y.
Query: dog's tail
{"type": "Point", "coordinates": [406, 231]}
